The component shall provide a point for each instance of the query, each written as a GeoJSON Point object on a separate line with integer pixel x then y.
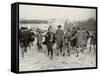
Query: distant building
{"type": "Point", "coordinates": [44, 26]}
{"type": "Point", "coordinates": [55, 22]}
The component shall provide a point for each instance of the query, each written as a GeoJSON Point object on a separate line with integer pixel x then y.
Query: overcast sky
{"type": "Point", "coordinates": [48, 12]}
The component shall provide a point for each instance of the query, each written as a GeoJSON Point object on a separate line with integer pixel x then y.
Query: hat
{"type": "Point", "coordinates": [59, 26]}
{"type": "Point", "coordinates": [73, 27]}
{"type": "Point", "coordinates": [38, 30]}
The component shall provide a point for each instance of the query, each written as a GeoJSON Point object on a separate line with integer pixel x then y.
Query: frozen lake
{"type": "Point", "coordinates": [35, 60]}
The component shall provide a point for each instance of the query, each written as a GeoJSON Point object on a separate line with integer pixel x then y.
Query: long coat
{"type": "Point", "coordinates": [39, 39]}
{"type": "Point", "coordinates": [49, 41]}
{"type": "Point", "coordinates": [48, 37]}
{"type": "Point", "coordinates": [59, 38]}
{"type": "Point", "coordinates": [73, 41]}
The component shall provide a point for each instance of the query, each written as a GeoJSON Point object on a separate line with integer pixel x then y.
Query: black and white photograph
{"type": "Point", "coordinates": [54, 37]}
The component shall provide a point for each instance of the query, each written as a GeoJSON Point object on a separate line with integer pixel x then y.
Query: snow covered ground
{"type": "Point", "coordinates": [35, 60]}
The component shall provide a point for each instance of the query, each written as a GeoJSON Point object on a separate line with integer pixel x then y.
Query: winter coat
{"type": "Point", "coordinates": [48, 38]}
{"type": "Point", "coordinates": [39, 39]}
{"type": "Point", "coordinates": [59, 37]}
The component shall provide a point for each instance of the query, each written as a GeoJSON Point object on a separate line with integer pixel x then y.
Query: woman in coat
{"type": "Point", "coordinates": [50, 40]}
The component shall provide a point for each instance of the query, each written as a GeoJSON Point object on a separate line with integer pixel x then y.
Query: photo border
{"type": "Point", "coordinates": [53, 5]}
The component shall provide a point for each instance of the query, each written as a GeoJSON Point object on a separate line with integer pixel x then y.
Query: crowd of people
{"type": "Point", "coordinates": [73, 39]}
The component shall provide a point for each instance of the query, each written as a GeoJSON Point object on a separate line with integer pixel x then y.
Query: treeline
{"type": "Point", "coordinates": [89, 24]}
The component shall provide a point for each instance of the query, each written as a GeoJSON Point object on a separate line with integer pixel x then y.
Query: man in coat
{"type": "Point", "coordinates": [66, 42]}
{"type": "Point", "coordinates": [39, 39]}
{"type": "Point", "coordinates": [73, 41]}
{"type": "Point", "coordinates": [78, 42]}
{"type": "Point", "coordinates": [59, 38]}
